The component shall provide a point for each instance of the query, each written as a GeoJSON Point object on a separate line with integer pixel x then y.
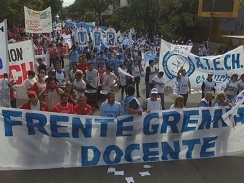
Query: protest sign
{"type": "Point", "coordinates": [97, 36]}
{"type": "Point", "coordinates": [38, 21]}
{"type": "Point", "coordinates": [111, 37]}
{"type": "Point", "coordinates": [38, 140]}
{"type": "Point", "coordinates": [21, 59]}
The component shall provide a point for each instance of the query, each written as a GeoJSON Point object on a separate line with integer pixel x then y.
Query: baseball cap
{"type": "Point", "coordinates": [154, 91]}
{"type": "Point", "coordinates": [210, 73]}
{"type": "Point", "coordinates": [31, 93]}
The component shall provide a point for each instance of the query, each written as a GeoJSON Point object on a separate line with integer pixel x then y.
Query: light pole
{"type": "Point", "coordinates": [211, 22]}
{"type": "Point", "coordinates": [57, 18]}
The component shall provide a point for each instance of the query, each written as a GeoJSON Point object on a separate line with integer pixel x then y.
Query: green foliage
{"type": "Point", "coordinates": [13, 10]}
{"type": "Point", "coordinates": [178, 18]}
{"type": "Point", "coordinates": [89, 17]}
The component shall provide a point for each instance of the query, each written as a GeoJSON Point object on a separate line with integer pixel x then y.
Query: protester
{"type": "Point", "coordinates": [136, 72]}
{"type": "Point", "coordinates": [205, 101]}
{"type": "Point", "coordinates": [73, 56]}
{"type": "Point", "coordinates": [221, 100]}
{"type": "Point", "coordinates": [39, 85]}
{"type": "Point", "coordinates": [109, 80]}
{"type": "Point", "coordinates": [60, 75]}
{"type": "Point", "coordinates": [73, 72]}
{"type": "Point", "coordinates": [72, 94]}
{"type": "Point", "coordinates": [41, 65]}
{"type": "Point", "coordinates": [159, 82]}
{"type": "Point", "coordinates": [122, 80]}
{"type": "Point", "coordinates": [208, 85]}
{"type": "Point", "coordinates": [33, 103]}
{"type": "Point", "coordinates": [153, 103]}
{"type": "Point", "coordinates": [51, 94]}
{"type": "Point", "coordinates": [151, 71]}
{"type": "Point", "coordinates": [111, 108]}
{"type": "Point", "coordinates": [82, 107]}
{"type": "Point", "coordinates": [13, 92]}
{"type": "Point", "coordinates": [91, 77]}
{"type": "Point", "coordinates": [64, 106]}
{"type": "Point", "coordinates": [131, 105]}
{"type": "Point", "coordinates": [179, 103]}
{"type": "Point", "coordinates": [184, 84]}
{"type": "Point", "coordinates": [30, 81]}
{"type": "Point", "coordinates": [231, 88]}
{"type": "Point", "coordinates": [79, 84]}
{"type": "Point", "coordinates": [240, 83]}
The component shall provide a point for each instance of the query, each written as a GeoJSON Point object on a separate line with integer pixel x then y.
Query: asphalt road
{"type": "Point", "coordinates": [214, 170]}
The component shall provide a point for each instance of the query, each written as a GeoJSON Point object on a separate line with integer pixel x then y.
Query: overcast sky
{"type": "Point", "coordinates": [67, 2]}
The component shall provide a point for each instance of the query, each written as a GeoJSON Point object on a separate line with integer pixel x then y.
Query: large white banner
{"type": "Point", "coordinates": [38, 21]}
{"type": "Point", "coordinates": [4, 66]}
{"type": "Point", "coordinates": [38, 140]}
{"type": "Point", "coordinates": [173, 57]}
{"type": "Point", "coordinates": [3, 49]}
{"type": "Point", "coordinates": [21, 60]}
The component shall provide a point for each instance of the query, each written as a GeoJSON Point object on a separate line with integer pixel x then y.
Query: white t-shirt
{"type": "Point", "coordinates": [79, 84]}
{"type": "Point", "coordinates": [154, 105]}
{"type": "Point", "coordinates": [136, 71]}
{"type": "Point", "coordinates": [108, 81]}
{"type": "Point", "coordinates": [122, 78]}
{"type": "Point", "coordinates": [160, 86]}
{"type": "Point", "coordinates": [92, 77]}
{"type": "Point", "coordinates": [183, 85]}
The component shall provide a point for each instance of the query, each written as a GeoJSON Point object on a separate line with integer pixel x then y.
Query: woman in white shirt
{"type": "Point", "coordinates": [231, 87]}
{"type": "Point", "coordinates": [136, 72]}
{"type": "Point", "coordinates": [158, 82]}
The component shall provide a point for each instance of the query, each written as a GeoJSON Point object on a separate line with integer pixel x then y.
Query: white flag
{"type": "Point", "coordinates": [229, 116]}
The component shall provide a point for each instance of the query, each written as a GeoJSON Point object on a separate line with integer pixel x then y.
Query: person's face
{"type": "Point", "coordinates": [31, 76]}
{"type": "Point", "coordinates": [152, 63]}
{"type": "Point", "coordinates": [40, 77]}
{"type": "Point", "coordinates": [68, 88]}
{"type": "Point", "coordinates": [180, 101]}
{"type": "Point", "coordinates": [222, 99]}
{"type": "Point", "coordinates": [234, 79]}
{"type": "Point", "coordinates": [210, 76]}
{"type": "Point", "coordinates": [183, 72]}
{"type": "Point", "coordinates": [209, 97]}
{"type": "Point", "coordinates": [33, 99]}
{"type": "Point", "coordinates": [90, 67]}
{"type": "Point", "coordinates": [51, 84]}
{"type": "Point", "coordinates": [111, 98]}
{"type": "Point", "coordinates": [82, 101]}
{"type": "Point", "coordinates": [77, 77]}
{"type": "Point", "coordinates": [107, 71]}
{"type": "Point", "coordinates": [58, 66]}
{"type": "Point", "coordinates": [42, 72]}
{"type": "Point", "coordinates": [160, 75]}
{"type": "Point", "coordinates": [74, 67]}
{"type": "Point", "coordinates": [154, 96]}
{"type": "Point", "coordinates": [64, 100]}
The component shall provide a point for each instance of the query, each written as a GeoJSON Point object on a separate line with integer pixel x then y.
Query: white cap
{"type": "Point", "coordinates": [154, 91]}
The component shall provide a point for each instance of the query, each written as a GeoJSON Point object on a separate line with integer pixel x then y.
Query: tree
{"type": "Point", "coordinates": [178, 18]}
{"type": "Point", "coordinates": [89, 17]}
{"type": "Point", "coordinates": [124, 19]}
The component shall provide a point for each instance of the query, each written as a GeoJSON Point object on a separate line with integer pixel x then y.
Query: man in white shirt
{"type": "Point", "coordinates": [79, 84]}
{"type": "Point", "coordinates": [153, 103]}
{"type": "Point", "coordinates": [91, 77]}
{"type": "Point", "coordinates": [184, 86]}
{"type": "Point", "coordinates": [159, 83]}
{"type": "Point", "coordinates": [73, 71]}
{"type": "Point", "coordinates": [109, 80]}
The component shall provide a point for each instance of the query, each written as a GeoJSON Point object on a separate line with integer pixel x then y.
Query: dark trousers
{"type": "Point", "coordinates": [13, 103]}
{"type": "Point", "coordinates": [136, 83]}
{"type": "Point", "coordinates": [185, 96]}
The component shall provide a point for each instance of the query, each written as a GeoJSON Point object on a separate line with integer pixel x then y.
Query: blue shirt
{"type": "Point", "coordinates": [111, 111]}
{"type": "Point", "coordinates": [203, 103]}
{"type": "Point", "coordinates": [74, 56]}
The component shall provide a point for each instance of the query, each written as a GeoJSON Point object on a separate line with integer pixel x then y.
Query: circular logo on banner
{"type": "Point", "coordinates": [173, 61]}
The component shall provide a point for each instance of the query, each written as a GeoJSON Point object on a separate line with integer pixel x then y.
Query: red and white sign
{"type": "Point", "coordinates": [21, 59]}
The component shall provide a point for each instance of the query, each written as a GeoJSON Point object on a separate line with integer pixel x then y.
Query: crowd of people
{"type": "Point", "coordinates": [93, 73]}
